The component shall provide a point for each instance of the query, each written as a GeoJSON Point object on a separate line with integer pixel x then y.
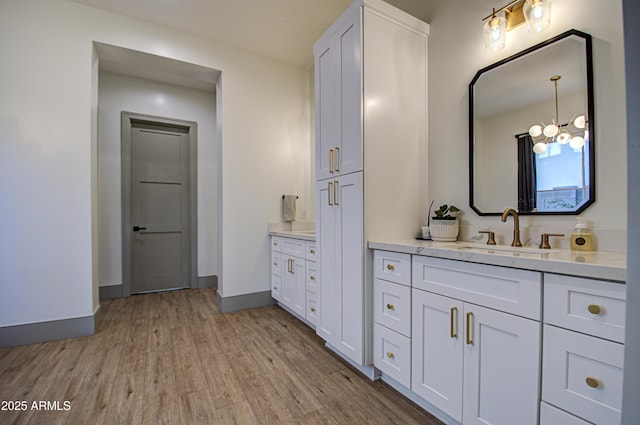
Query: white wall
{"type": "Point", "coordinates": [456, 53]}
{"type": "Point", "coordinates": [119, 93]}
{"type": "Point", "coordinates": [46, 265]}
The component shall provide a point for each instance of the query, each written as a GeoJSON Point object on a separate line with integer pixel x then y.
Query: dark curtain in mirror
{"type": "Point", "coordinates": [527, 190]}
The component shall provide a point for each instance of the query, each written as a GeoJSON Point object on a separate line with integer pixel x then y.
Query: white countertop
{"type": "Point", "coordinates": [593, 264]}
{"type": "Point", "coordinates": [307, 235]}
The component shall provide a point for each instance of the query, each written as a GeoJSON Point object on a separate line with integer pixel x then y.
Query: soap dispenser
{"type": "Point", "coordinates": [581, 238]}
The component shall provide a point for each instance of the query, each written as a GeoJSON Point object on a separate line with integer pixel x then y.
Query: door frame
{"type": "Point", "coordinates": [128, 120]}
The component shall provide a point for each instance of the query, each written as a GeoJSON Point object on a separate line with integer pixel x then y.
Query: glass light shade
{"type": "Point", "coordinates": [550, 130]}
{"type": "Point", "coordinates": [540, 147]}
{"type": "Point", "coordinates": [535, 131]}
{"type": "Point", "coordinates": [576, 142]}
{"type": "Point", "coordinates": [495, 33]}
{"type": "Point", "coordinates": [537, 13]}
{"type": "Point", "coordinates": [564, 138]}
{"type": "Point", "coordinates": [580, 122]}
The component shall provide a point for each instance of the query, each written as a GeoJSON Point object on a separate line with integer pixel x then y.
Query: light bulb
{"type": "Point", "coordinates": [550, 130]}
{"type": "Point", "coordinates": [495, 33]}
{"type": "Point", "coordinates": [576, 142]}
{"type": "Point", "coordinates": [537, 13]}
{"type": "Point", "coordinates": [563, 138]}
{"type": "Point", "coordinates": [580, 122]}
{"type": "Point", "coordinates": [540, 147]}
{"type": "Point", "coordinates": [535, 131]}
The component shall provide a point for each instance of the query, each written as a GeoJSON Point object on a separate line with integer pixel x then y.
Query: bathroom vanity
{"type": "Point", "coordinates": [481, 334]}
{"type": "Point", "coordinates": [294, 282]}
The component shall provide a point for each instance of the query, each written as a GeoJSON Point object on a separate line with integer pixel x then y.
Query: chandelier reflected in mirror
{"type": "Point", "coordinates": [559, 133]}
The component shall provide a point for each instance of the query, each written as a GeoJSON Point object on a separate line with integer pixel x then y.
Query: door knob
{"type": "Point", "coordinates": [138, 228]}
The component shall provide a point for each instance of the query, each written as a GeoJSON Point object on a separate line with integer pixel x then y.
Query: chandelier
{"type": "Point", "coordinates": [556, 132]}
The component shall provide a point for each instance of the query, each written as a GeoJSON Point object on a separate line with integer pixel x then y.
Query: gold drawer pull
{"type": "Point", "coordinates": [469, 328]}
{"type": "Point", "coordinates": [594, 309]}
{"type": "Point", "coordinates": [390, 267]}
{"type": "Point", "coordinates": [592, 382]}
{"type": "Point", "coordinates": [454, 322]}
{"type": "Point", "coordinates": [390, 354]}
{"type": "Point", "coordinates": [313, 251]}
{"type": "Point", "coordinates": [391, 307]}
{"type": "Point", "coordinates": [313, 309]}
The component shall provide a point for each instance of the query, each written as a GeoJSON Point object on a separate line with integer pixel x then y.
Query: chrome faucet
{"type": "Point", "coordinates": [516, 225]}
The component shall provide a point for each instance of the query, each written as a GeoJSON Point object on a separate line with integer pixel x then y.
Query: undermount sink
{"type": "Point", "coordinates": [515, 250]}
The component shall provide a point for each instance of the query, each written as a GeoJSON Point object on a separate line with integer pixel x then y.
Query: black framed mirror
{"type": "Point", "coordinates": [514, 106]}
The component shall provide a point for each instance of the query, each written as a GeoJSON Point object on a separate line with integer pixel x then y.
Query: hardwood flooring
{"type": "Point", "coordinates": [172, 358]}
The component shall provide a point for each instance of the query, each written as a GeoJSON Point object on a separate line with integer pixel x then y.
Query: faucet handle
{"type": "Point", "coordinates": [544, 240]}
{"type": "Point", "coordinates": [492, 235]}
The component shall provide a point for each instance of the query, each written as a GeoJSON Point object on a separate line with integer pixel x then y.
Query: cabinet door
{"type": "Point", "coordinates": [338, 80]}
{"type": "Point", "coordinates": [437, 351]}
{"type": "Point", "coordinates": [341, 264]}
{"type": "Point", "coordinates": [350, 265]}
{"type": "Point", "coordinates": [293, 284]}
{"type": "Point", "coordinates": [501, 368]}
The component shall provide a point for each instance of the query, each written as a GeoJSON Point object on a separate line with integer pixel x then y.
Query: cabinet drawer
{"type": "Point", "coordinates": [276, 263]}
{"type": "Point", "coordinates": [550, 415]}
{"type": "Point", "coordinates": [312, 308]}
{"type": "Point", "coordinates": [312, 277]}
{"type": "Point", "coordinates": [589, 306]}
{"type": "Point", "coordinates": [513, 291]}
{"type": "Point", "coordinates": [276, 243]}
{"type": "Point", "coordinates": [392, 306]}
{"type": "Point", "coordinates": [294, 247]}
{"type": "Point", "coordinates": [276, 287]}
{"type": "Point", "coordinates": [582, 375]}
{"type": "Point", "coordinates": [311, 251]}
{"type": "Point", "coordinates": [392, 266]}
{"type": "Point", "coordinates": [392, 354]}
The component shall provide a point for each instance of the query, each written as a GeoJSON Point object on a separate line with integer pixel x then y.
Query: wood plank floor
{"type": "Point", "coordinates": [172, 358]}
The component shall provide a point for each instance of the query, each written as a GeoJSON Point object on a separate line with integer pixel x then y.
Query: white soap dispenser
{"type": "Point", "coordinates": [581, 238]}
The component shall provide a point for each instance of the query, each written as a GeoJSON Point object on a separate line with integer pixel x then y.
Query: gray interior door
{"type": "Point", "coordinates": [160, 251]}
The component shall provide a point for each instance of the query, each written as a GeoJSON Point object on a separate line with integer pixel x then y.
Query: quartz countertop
{"type": "Point", "coordinates": [592, 264]}
{"type": "Point", "coordinates": [307, 235]}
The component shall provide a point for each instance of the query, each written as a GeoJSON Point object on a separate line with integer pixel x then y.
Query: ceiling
{"type": "Point", "coordinates": [281, 29]}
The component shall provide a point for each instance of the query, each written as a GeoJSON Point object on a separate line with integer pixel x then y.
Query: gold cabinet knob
{"type": "Point", "coordinates": [313, 309]}
{"type": "Point", "coordinates": [592, 382]}
{"type": "Point", "coordinates": [313, 251]}
{"type": "Point", "coordinates": [594, 309]}
{"type": "Point", "coordinates": [390, 307]}
{"type": "Point", "coordinates": [312, 277]}
{"type": "Point", "coordinates": [275, 288]}
{"type": "Point", "coordinates": [390, 354]}
{"type": "Point", "coordinates": [390, 267]}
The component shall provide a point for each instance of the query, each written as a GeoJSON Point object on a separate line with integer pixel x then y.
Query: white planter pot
{"type": "Point", "coordinates": [444, 230]}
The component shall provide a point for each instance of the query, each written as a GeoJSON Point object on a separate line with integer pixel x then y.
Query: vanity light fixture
{"type": "Point", "coordinates": [537, 14]}
{"type": "Point", "coordinates": [555, 132]}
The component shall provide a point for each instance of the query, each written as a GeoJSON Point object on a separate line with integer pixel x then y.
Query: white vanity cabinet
{"type": "Point", "coordinates": [371, 107]}
{"type": "Point", "coordinates": [293, 267]}
{"type": "Point", "coordinates": [583, 351]}
{"type": "Point", "coordinates": [476, 341]}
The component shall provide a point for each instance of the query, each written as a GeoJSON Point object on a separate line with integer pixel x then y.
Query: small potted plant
{"type": "Point", "coordinates": [444, 225]}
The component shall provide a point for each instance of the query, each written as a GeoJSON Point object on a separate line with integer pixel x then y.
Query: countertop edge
{"type": "Point", "coordinates": [571, 265]}
{"type": "Point", "coordinates": [294, 235]}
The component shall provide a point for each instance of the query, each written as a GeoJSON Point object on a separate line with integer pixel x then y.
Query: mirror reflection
{"type": "Point", "coordinates": [531, 130]}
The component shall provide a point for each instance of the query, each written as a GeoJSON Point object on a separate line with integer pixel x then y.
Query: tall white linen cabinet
{"type": "Point", "coordinates": [371, 144]}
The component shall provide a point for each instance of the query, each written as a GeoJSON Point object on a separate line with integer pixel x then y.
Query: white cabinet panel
{"type": "Point", "coordinates": [312, 277]}
{"type": "Point", "coordinates": [312, 308]}
{"type": "Point", "coordinates": [437, 351]}
{"type": "Point", "coordinates": [294, 247]}
{"type": "Point", "coordinates": [276, 287]}
{"type": "Point", "coordinates": [513, 291]}
{"type": "Point", "coordinates": [583, 375]}
{"type": "Point", "coordinates": [294, 284]}
{"type": "Point", "coordinates": [276, 263]}
{"type": "Point", "coordinates": [392, 354]}
{"type": "Point", "coordinates": [501, 368]}
{"type": "Point", "coordinates": [392, 306]}
{"type": "Point", "coordinates": [589, 306]}
{"type": "Point", "coordinates": [311, 251]}
{"type": "Point", "coordinates": [550, 415]}
{"type": "Point", "coordinates": [392, 266]}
